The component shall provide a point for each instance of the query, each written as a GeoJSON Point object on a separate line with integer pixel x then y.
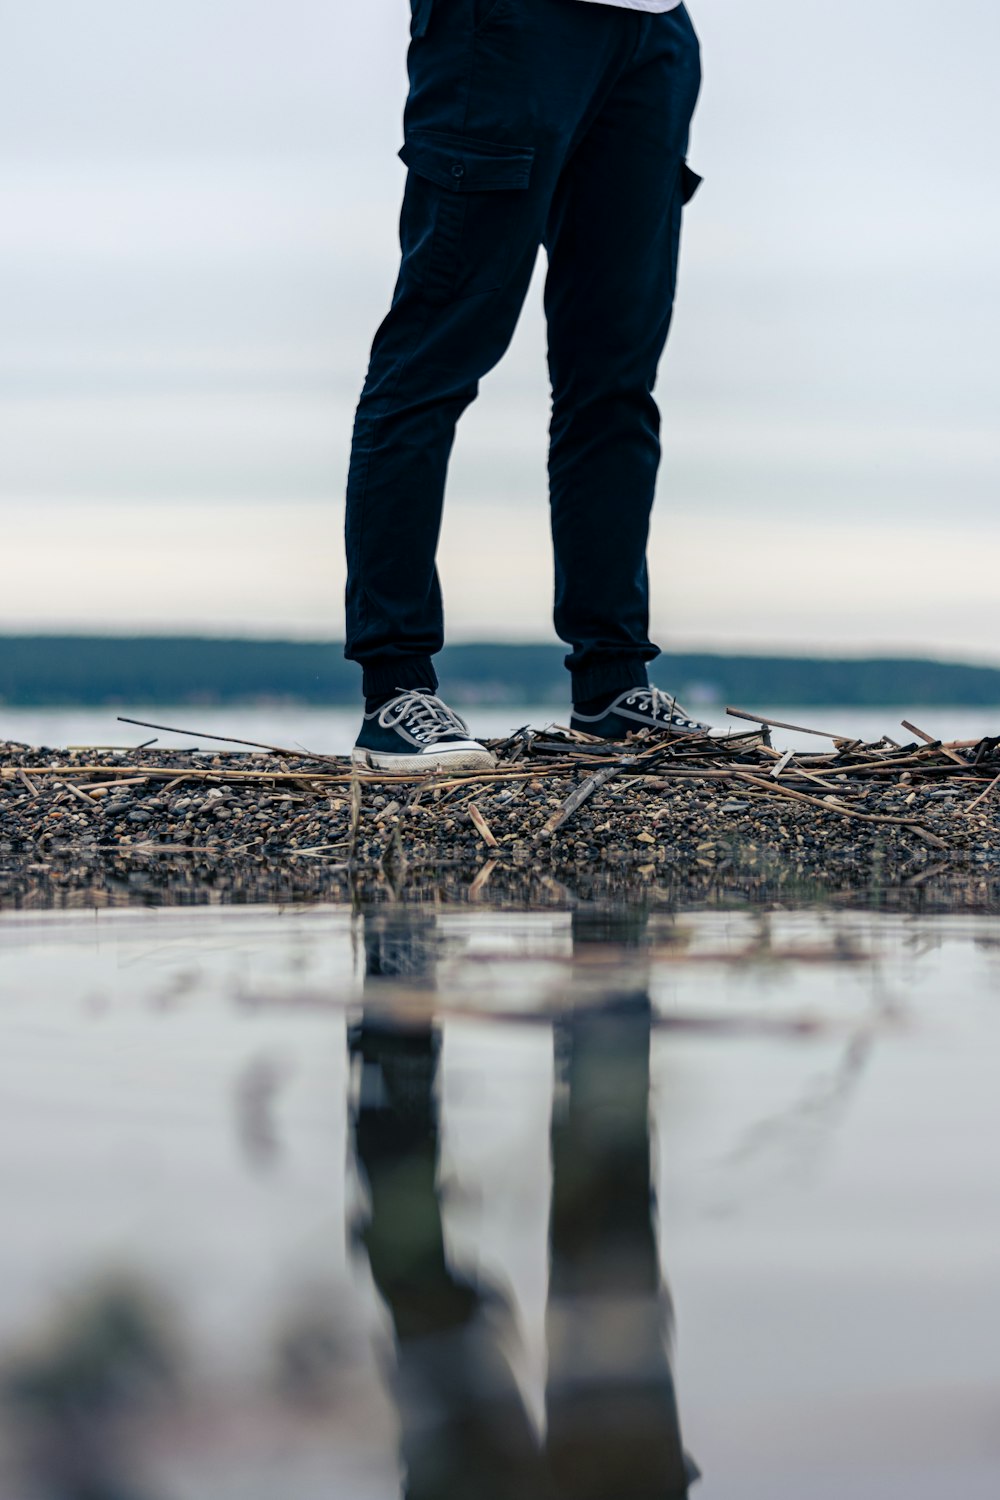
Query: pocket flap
{"type": "Point", "coordinates": [467, 166]}
{"type": "Point", "coordinates": [690, 183]}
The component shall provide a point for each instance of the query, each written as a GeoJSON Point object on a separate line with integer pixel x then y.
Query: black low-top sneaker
{"type": "Point", "coordinates": [417, 732]}
{"type": "Point", "coordinates": [635, 709]}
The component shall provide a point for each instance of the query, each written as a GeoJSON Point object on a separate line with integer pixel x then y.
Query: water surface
{"type": "Point", "coordinates": [559, 1204]}
{"type": "Point", "coordinates": [332, 731]}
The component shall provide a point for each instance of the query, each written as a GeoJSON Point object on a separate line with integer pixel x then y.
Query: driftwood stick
{"type": "Point", "coordinates": [355, 816]}
{"type": "Point", "coordinates": [823, 734]}
{"type": "Point", "coordinates": [982, 798]}
{"type": "Point", "coordinates": [228, 739]}
{"type": "Point", "coordinates": [596, 747]}
{"type": "Point", "coordinates": [837, 807]}
{"type": "Point", "coordinates": [170, 785]}
{"type": "Point", "coordinates": [661, 743]}
{"type": "Point", "coordinates": [482, 827]}
{"type": "Point", "coordinates": [342, 777]}
{"type": "Point", "coordinates": [168, 773]}
{"type": "Point", "coordinates": [576, 799]}
{"type": "Point", "coordinates": [684, 767]}
{"type": "Point", "coordinates": [928, 837]}
{"type": "Point", "coordinates": [828, 786]}
{"type": "Point", "coordinates": [76, 791]}
{"type": "Point", "coordinates": [917, 760]}
{"type": "Point", "coordinates": [922, 734]}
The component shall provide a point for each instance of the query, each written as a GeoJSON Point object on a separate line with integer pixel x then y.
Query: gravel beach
{"type": "Point", "coordinates": [561, 818]}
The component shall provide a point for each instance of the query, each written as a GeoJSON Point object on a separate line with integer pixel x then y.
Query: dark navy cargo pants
{"type": "Point", "coordinates": [528, 123]}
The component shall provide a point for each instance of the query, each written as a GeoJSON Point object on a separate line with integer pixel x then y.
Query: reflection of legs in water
{"type": "Point", "coordinates": [613, 1428]}
{"type": "Point", "coordinates": [613, 1431]}
{"type": "Point", "coordinates": [464, 1428]}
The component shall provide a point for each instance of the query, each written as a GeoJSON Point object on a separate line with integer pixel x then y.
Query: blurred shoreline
{"type": "Point", "coordinates": [61, 671]}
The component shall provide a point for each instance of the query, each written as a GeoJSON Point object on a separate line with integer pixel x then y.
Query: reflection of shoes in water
{"type": "Point", "coordinates": [415, 731]}
{"type": "Point", "coordinates": [399, 949]}
{"type": "Point", "coordinates": [635, 709]}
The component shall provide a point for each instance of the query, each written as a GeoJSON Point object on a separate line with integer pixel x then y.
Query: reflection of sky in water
{"type": "Point", "coordinates": [824, 1116]}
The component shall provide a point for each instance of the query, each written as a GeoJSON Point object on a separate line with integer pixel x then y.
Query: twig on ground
{"type": "Point", "coordinates": [83, 796]}
{"type": "Point", "coordinates": [482, 827]}
{"type": "Point", "coordinates": [576, 799]}
{"type": "Point", "coordinates": [227, 739]}
{"type": "Point", "coordinates": [355, 815]}
{"type": "Point", "coordinates": [928, 739]}
{"type": "Point", "coordinates": [830, 805]}
{"type": "Point", "coordinates": [823, 734]}
{"type": "Point", "coordinates": [983, 796]}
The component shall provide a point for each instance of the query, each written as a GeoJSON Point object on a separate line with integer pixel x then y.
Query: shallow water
{"type": "Point", "coordinates": [331, 731]}
{"type": "Point", "coordinates": [289, 1191]}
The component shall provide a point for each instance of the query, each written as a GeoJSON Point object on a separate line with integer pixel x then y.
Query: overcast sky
{"type": "Point", "coordinates": [198, 239]}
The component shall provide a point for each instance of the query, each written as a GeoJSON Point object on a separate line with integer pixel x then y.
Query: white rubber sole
{"type": "Point", "coordinates": [462, 755]}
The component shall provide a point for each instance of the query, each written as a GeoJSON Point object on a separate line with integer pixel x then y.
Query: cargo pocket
{"type": "Point", "coordinates": [463, 211]}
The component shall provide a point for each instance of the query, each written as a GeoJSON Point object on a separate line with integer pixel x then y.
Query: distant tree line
{"type": "Point", "coordinates": [114, 670]}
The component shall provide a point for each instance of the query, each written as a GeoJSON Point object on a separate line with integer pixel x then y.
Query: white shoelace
{"type": "Point", "coordinates": [422, 715]}
{"type": "Point", "coordinates": [658, 704]}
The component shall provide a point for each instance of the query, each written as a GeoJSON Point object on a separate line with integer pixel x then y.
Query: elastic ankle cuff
{"type": "Point", "coordinates": [610, 678]}
{"type": "Point", "coordinates": [382, 679]}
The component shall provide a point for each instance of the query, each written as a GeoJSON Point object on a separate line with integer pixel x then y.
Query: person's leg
{"type": "Point", "coordinates": [498, 90]}
{"type": "Point", "coordinates": [612, 239]}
